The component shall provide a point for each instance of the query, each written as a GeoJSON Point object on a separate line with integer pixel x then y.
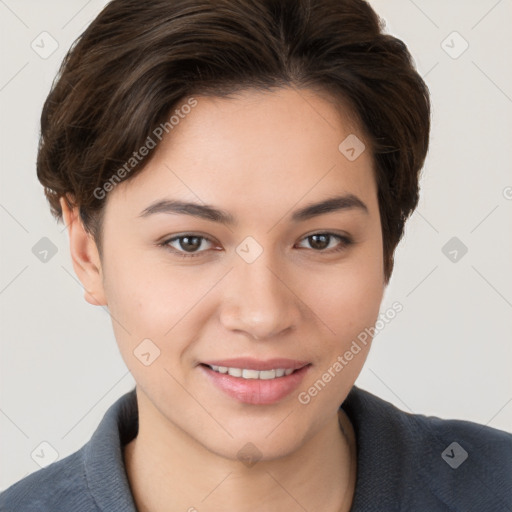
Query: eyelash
{"type": "Point", "coordinates": [345, 242]}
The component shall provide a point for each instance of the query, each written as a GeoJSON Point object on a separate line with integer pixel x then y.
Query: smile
{"type": "Point", "coordinates": [246, 373]}
{"type": "Point", "coordinates": [253, 381]}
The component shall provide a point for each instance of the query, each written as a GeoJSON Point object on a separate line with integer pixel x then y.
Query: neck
{"type": "Point", "coordinates": [168, 470]}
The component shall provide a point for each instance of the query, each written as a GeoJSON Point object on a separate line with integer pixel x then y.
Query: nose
{"type": "Point", "coordinates": [259, 300]}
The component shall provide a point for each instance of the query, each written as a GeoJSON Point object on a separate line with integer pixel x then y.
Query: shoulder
{"type": "Point", "coordinates": [60, 487]}
{"type": "Point", "coordinates": [465, 463]}
{"type": "Point", "coordinates": [90, 479]}
{"type": "Point", "coordinates": [448, 463]}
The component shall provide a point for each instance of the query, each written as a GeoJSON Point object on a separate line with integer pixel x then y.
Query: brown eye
{"type": "Point", "coordinates": [319, 241]}
{"type": "Point", "coordinates": [190, 243]}
{"type": "Point", "coordinates": [187, 245]}
{"type": "Point", "coordinates": [327, 242]}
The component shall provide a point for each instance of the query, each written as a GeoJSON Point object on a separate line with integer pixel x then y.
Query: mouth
{"type": "Point", "coordinates": [256, 382]}
{"type": "Point", "coordinates": [248, 373]}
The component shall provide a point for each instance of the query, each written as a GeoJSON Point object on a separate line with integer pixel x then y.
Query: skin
{"type": "Point", "coordinates": [259, 156]}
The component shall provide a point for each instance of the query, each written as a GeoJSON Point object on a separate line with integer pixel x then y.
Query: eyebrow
{"type": "Point", "coordinates": [332, 204]}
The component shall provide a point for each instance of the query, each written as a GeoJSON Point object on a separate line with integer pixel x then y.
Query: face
{"type": "Point", "coordinates": [263, 283]}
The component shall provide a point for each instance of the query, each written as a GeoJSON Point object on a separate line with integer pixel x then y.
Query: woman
{"type": "Point", "coordinates": [235, 177]}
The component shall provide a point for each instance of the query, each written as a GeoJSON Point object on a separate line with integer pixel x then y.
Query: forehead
{"type": "Point", "coordinates": [268, 147]}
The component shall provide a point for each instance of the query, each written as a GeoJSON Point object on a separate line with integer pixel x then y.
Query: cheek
{"type": "Point", "coordinates": [150, 295]}
{"type": "Point", "coordinates": [349, 304]}
{"type": "Point", "coordinates": [348, 298]}
{"type": "Point", "coordinates": [156, 301]}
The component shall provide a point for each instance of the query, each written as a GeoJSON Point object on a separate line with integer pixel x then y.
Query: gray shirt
{"type": "Point", "coordinates": [405, 462]}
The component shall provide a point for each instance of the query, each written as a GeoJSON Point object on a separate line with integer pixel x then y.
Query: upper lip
{"type": "Point", "coordinates": [250, 363]}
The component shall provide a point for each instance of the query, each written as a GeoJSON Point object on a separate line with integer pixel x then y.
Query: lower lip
{"type": "Point", "coordinates": [256, 391]}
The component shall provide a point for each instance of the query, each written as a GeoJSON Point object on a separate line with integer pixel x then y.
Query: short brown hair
{"type": "Point", "coordinates": [137, 60]}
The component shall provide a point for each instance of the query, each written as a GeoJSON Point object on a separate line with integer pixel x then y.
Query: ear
{"type": "Point", "coordinates": [85, 256]}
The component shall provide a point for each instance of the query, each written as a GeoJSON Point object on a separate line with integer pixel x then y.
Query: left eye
{"type": "Point", "coordinates": [190, 245]}
{"type": "Point", "coordinates": [322, 241]}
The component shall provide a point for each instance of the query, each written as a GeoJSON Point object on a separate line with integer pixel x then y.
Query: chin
{"type": "Point", "coordinates": [252, 450]}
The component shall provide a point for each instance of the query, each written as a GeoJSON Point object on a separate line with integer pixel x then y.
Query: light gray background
{"type": "Point", "coordinates": [448, 353]}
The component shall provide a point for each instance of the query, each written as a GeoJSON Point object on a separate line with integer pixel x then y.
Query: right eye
{"type": "Point", "coordinates": [186, 245]}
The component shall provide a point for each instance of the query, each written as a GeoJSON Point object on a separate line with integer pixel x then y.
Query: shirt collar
{"type": "Point", "coordinates": [104, 462]}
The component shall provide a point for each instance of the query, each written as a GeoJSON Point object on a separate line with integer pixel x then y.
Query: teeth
{"type": "Point", "coordinates": [235, 372]}
{"type": "Point", "coordinates": [267, 374]}
{"type": "Point", "coordinates": [252, 374]}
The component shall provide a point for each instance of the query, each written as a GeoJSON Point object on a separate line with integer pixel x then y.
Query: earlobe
{"type": "Point", "coordinates": [84, 255]}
